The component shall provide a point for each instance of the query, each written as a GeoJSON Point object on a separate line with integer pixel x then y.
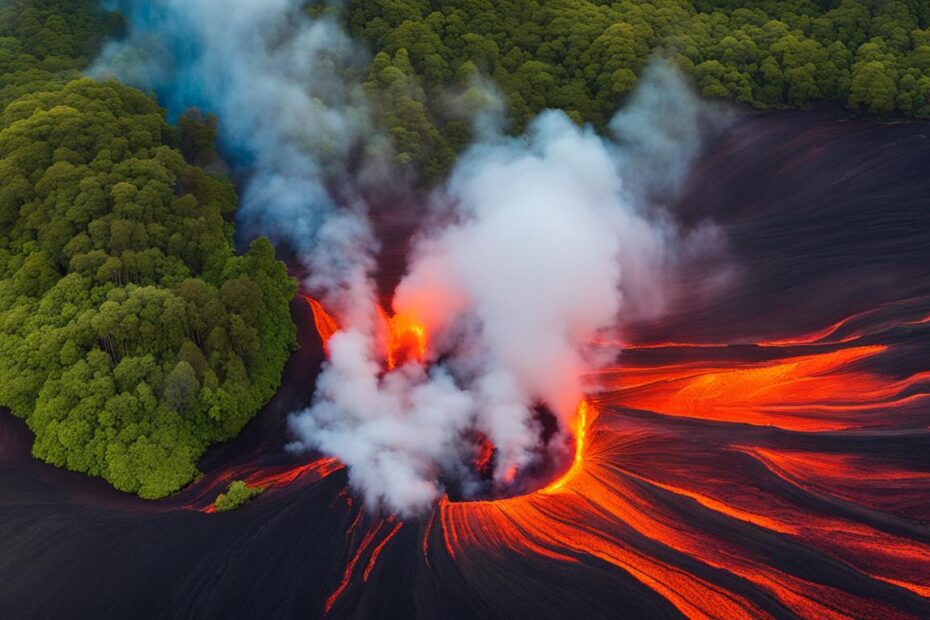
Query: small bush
{"type": "Point", "coordinates": [239, 493]}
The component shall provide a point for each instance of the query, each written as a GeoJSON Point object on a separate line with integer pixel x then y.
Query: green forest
{"type": "Point", "coordinates": [585, 56]}
{"type": "Point", "coordinates": [131, 336]}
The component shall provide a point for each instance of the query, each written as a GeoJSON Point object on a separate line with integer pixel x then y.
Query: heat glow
{"type": "Point", "coordinates": [583, 418]}
{"type": "Point", "coordinates": [643, 492]}
{"type": "Point", "coordinates": [405, 340]}
{"type": "Point", "coordinates": [325, 324]}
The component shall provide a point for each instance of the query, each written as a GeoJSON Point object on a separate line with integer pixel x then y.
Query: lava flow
{"type": "Point", "coordinates": [405, 336]}
{"type": "Point", "coordinates": [761, 452]}
{"type": "Point", "coordinates": [647, 496]}
{"type": "Point", "coordinates": [406, 339]}
{"type": "Point", "coordinates": [644, 495]}
{"type": "Point", "coordinates": [583, 418]}
{"type": "Point", "coordinates": [667, 507]}
{"type": "Point", "coordinates": [717, 474]}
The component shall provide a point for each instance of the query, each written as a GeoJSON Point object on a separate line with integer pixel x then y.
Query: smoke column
{"type": "Point", "coordinates": [536, 245]}
{"type": "Point", "coordinates": [290, 120]}
{"type": "Point", "coordinates": [540, 245]}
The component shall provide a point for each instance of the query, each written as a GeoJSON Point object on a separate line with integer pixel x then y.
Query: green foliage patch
{"type": "Point", "coordinates": [239, 493]}
{"type": "Point", "coordinates": [585, 56]}
{"type": "Point", "coordinates": [48, 41]}
{"type": "Point", "coordinates": [131, 335]}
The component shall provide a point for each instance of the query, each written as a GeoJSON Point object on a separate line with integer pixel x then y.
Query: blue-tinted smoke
{"type": "Point", "coordinates": [290, 121]}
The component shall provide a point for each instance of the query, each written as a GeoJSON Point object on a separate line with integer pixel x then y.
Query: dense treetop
{"type": "Point", "coordinates": [131, 336]}
{"type": "Point", "coordinates": [43, 41]}
{"type": "Point", "coordinates": [584, 56]}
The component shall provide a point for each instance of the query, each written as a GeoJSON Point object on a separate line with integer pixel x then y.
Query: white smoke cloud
{"type": "Point", "coordinates": [549, 240]}
{"type": "Point", "coordinates": [290, 119]}
{"type": "Point", "coordinates": [479, 103]}
{"type": "Point", "coordinates": [536, 244]}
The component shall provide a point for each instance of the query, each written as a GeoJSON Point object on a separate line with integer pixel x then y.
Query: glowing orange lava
{"type": "Point", "coordinates": [325, 324]}
{"type": "Point", "coordinates": [641, 475]}
{"type": "Point", "coordinates": [817, 392]}
{"type": "Point", "coordinates": [406, 340]}
{"type": "Point", "coordinates": [365, 546]}
{"type": "Point", "coordinates": [270, 478]}
{"type": "Point", "coordinates": [673, 483]}
{"type": "Point", "coordinates": [485, 455]}
{"type": "Point", "coordinates": [583, 419]}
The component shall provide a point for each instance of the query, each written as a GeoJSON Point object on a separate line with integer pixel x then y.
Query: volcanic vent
{"type": "Point", "coordinates": [404, 347]}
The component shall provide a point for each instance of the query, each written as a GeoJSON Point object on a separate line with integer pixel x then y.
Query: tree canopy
{"type": "Point", "coordinates": [43, 41]}
{"type": "Point", "coordinates": [131, 335]}
{"type": "Point", "coordinates": [585, 56]}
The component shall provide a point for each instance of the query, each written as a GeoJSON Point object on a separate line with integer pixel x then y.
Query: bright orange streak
{"type": "Point", "coordinates": [406, 341]}
{"type": "Point", "coordinates": [405, 336]}
{"type": "Point", "coordinates": [818, 335]}
{"type": "Point", "coordinates": [273, 478]}
{"type": "Point", "coordinates": [816, 392]}
{"type": "Point", "coordinates": [661, 523]}
{"type": "Point", "coordinates": [476, 525]}
{"type": "Point", "coordinates": [903, 562]}
{"type": "Point", "coordinates": [350, 567]}
{"type": "Point", "coordinates": [323, 468]}
{"type": "Point", "coordinates": [589, 513]}
{"type": "Point", "coordinates": [881, 485]}
{"type": "Point", "coordinates": [374, 554]}
{"type": "Point", "coordinates": [563, 529]}
{"type": "Point", "coordinates": [485, 454]}
{"type": "Point", "coordinates": [717, 506]}
{"type": "Point", "coordinates": [325, 324]}
{"type": "Point", "coordinates": [581, 431]}
{"type": "Point", "coordinates": [809, 338]}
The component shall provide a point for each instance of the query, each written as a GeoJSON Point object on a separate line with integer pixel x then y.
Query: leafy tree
{"type": "Point", "coordinates": [131, 335]}
{"type": "Point", "coordinates": [873, 88]}
{"type": "Point", "coordinates": [585, 57]}
{"type": "Point", "coordinates": [198, 137]}
{"type": "Point", "coordinates": [239, 493]}
{"type": "Point", "coordinates": [44, 41]}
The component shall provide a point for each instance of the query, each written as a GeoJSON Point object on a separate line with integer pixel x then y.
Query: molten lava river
{"type": "Point", "coordinates": [763, 452]}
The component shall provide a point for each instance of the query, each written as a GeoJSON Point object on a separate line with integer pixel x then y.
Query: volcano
{"type": "Point", "coordinates": [763, 452]}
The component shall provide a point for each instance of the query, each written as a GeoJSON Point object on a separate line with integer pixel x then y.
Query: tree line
{"type": "Point", "coordinates": [585, 56]}
{"type": "Point", "coordinates": [131, 335]}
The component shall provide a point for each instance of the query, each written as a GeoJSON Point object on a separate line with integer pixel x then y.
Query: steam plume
{"type": "Point", "coordinates": [537, 245]}
{"type": "Point", "coordinates": [290, 120]}
{"type": "Point", "coordinates": [546, 242]}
